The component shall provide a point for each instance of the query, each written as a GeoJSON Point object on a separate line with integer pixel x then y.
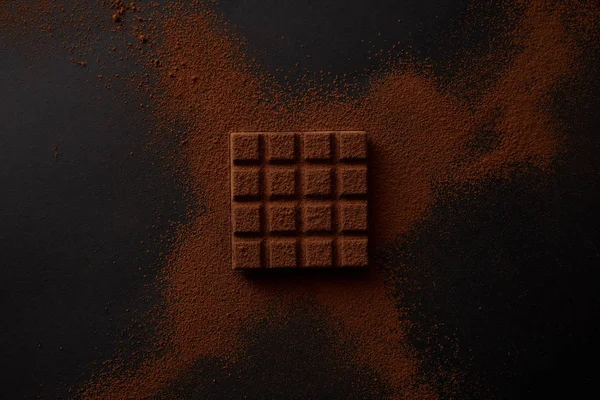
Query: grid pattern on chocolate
{"type": "Point", "coordinates": [299, 200]}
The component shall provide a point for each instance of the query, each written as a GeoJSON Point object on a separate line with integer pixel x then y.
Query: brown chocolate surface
{"type": "Point", "coordinates": [312, 187]}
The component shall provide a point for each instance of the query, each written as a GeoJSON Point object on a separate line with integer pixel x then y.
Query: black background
{"type": "Point", "coordinates": [508, 276]}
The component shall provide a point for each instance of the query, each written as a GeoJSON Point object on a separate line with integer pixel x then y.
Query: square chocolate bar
{"type": "Point", "coordinates": [299, 200]}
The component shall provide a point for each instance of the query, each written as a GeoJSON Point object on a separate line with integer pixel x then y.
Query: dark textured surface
{"type": "Point", "coordinates": [508, 275]}
{"type": "Point", "coordinates": [300, 359]}
{"type": "Point", "coordinates": [83, 206]}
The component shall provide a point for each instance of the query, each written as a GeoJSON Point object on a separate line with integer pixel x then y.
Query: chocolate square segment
{"type": "Point", "coordinates": [246, 182]}
{"type": "Point", "coordinates": [317, 217]}
{"type": "Point", "coordinates": [245, 147]}
{"type": "Point", "coordinates": [282, 253]}
{"type": "Point", "coordinates": [353, 145]}
{"type": "Point", "coordinates": [317, 181]}
{"type": "Point", "coordinates": [353, 252]}
{"type": "Point", "coordinates": [353, 180]}
{"type": "Point", "coordinates": [282, 218]}
{"type": "Point", "coordinates": [353, 216]}
{"type": "Point", "coordinates": [281, 181]}
{"type": "Point", "coordinates": [246, 218]}
{"type": "Point", "coordinates": [317, 145]}
{"type": "Point", "coordinates": [317, 252]}
{"type": "Point", "coordinates": [299, 200]}
{"type": "Point", "coordinates": [246, 253]}
{"type": "Point", "coordinates": [281, 146]}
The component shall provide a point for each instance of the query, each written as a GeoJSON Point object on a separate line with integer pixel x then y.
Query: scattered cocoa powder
{"type": "Point", "coordinates": [420, 135]}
